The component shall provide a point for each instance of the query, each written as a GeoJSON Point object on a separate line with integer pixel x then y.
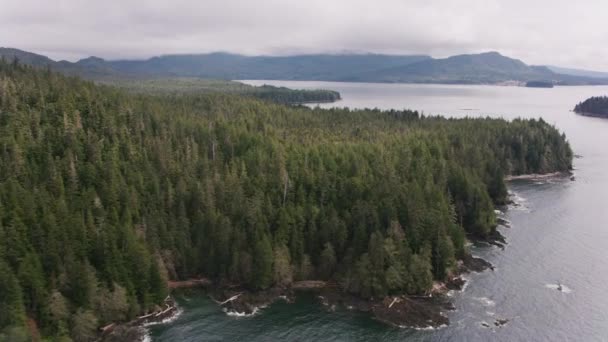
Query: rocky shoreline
{"type": "Point", "coordinates": [540, 176]}
{"type": "Point", "coordinates": [426, 311]}
{"type": "Point", "coordinates": [134, 330]}
{"type": "Point", "coordinates": [403, 311]}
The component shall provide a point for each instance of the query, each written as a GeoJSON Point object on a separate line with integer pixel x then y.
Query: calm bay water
{"type": "Point", "coordinates": [557, 234]}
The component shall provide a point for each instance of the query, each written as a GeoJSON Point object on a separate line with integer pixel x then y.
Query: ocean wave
{"type": "Point", "coordinates": [517, 202]}
{"type": "Point", "coordinates": [255, 311]}
{"type": "Point", "coordinates": [429, 328]}
{"type": "Point", "coordinates": [169, 319]}
{"type": "Point", "coordinates": [146, 337]}
{"type": "Point", "coordinates": [485, 301]}
{"type": "Point", "coordinates": [467, 280]}
{"type": "Point", "coordinates": [565, 289]}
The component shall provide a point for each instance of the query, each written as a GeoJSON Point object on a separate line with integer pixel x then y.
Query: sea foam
{"type": "Point", "coordinates": [565, 289]}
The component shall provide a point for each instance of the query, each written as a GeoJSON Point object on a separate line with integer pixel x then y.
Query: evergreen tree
{"type": "Point", "coordinates": [104, 195]}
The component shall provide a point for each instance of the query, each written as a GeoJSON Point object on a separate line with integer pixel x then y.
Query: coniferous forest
{"type": "Point", "coordinates": [594, 106]}
{"type": "Point", "coordinates": [105, 195]}
{"type": "Point", "coordinates": [164, 86]}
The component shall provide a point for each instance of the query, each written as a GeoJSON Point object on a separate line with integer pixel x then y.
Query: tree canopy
{"type": "Point", "coordinates": [593, 106]}
{"type": "Point", "coordinates": [104, 194]}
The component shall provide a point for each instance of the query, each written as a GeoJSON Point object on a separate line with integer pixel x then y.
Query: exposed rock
{"type": "Point", "coordinates": [474, 264]}
{"type": "Point", "coordinates": [410, 312]}
{"type": "Point", "coordinates": [123, 333]}
{"type": "Point", "coordinates": [200, 282]}
{"type": "Point", "coordinates": [503, 222]}
{"type": "Point", "coordinates": [455, 283]}
{"type": "Point", "coordinates": [246, 302]}
{"type": "Point", "coordinates": [500, 322]}
{"type": "Point", "coordinates": [400, 311]}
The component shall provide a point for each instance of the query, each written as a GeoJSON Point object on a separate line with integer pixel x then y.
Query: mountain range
{"type": "Point", "coordinates": [483, 68]}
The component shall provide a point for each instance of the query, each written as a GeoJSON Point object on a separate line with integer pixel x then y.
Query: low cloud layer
{"type": "Point", "coordinates": [559, 32]}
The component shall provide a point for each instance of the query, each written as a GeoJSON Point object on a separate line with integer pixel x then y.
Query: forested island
{"type": "Point", "coordinates": [539, 84]}
{"type": "Point", "coordinates": [283, 95]}
{"type": "Point", "coordinates": [594, 106]}
{"type": "Point", "coordinates": [106, 195]}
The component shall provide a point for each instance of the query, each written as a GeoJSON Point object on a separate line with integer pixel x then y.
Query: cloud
{"type": "Point", "coordinates": [539, 32]}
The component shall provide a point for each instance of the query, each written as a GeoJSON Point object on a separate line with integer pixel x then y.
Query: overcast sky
{"type": "Point", "coordinates": [560, 32]}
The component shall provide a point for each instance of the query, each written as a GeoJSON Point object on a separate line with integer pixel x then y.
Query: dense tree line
{"type": "Point", "coordinates": [189, 86]}
{"type": "Point", "coordinates": [104, 195]}
{"type": "Point", "coordinates": [539, 84]}
{"type": "Point", "coordinates": [293, 96]}
{"type": "Point", "coordinates": [594, 106]}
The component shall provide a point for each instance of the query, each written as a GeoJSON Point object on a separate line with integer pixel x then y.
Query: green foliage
{"type": "Point", "coordinates": [14, 334]}
{"type": "Point", "coordinates": [262, 262]}
{"type": "Point", "coordinates": [594, 106]}
{"type": "Point", "coordinates": [11, 298]}
{"type": "Point", "coordinates": [283, 274]}
{"type": "Point", "coordinates": [184, 85]}
{"type": "Point", "coordinates": [105, 194]}
{"type": "Point", "coordinates": [84, 326]}
{"type": "Point", "coordinates": [327, 264]}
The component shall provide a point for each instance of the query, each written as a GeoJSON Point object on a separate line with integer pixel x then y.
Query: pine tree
{"type": "Point", "coordinates": [262, 263]}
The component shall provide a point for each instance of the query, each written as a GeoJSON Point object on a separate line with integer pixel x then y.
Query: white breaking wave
{"type": "Point", "coordinates": [485, 301]}
{"type": "Point", "coordinates": [424, 328]}
{"type": "Point", "coordinates": [244, 314]}
{"type": "Point", "coordinates": [169, 319]}
{"type": "Point", "coordinates": [464, 286]}
{"type": "Point", "coordinates": [146, 337]}
{"type": "Point", "coordinates": [565, 289]}
{"type": "Point", "coordinates": [519, 203]}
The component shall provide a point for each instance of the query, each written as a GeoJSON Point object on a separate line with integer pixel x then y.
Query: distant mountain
{"type": "Point", "coordinates": [490, 67]}
{"type": "Point", "coordinates": [25, 57]}
{"type": "Point", "coordinates": [484, 68]}
{"type": "Point", "coordinates": [231, 66]}
{"type": "Point", "coordinates": [578, 72]}
{"type": "Point", "coordinates": [91, 68]}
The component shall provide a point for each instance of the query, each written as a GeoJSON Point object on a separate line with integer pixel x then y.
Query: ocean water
{"type": "Point", "coordinates": [558, 235]}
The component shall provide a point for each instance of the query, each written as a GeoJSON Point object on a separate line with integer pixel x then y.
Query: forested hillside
{"type": "Point", "coordinates": [593, 106]}
{"type": "Point", "coordinates": [482, 68]}
{"type": "Point", "coordinates": [189, 86]}
{"type": "Point", "coordinates": [104, 195]}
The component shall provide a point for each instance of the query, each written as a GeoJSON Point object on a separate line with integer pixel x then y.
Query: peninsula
{"type": "Point", "coordinates": [594, 106]}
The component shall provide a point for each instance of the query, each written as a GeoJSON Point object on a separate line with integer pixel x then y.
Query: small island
{"type": "Point", "coordinates": [595, 106]}
{"type": "Point", "coordinates": [539, 84]}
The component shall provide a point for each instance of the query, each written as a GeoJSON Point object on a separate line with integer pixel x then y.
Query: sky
{"type": "Point", "coordinates": [553, 32]}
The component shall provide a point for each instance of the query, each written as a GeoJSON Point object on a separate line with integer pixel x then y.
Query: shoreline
{"type": "Point", "coordinates": [135, 329]}
{"type": "Point", "coordinates": [426, 311]}
{"type": "Point", "coordinates": [538, 176]}
{"type": "Point", "coordinates": [592, 115]}
{"type": "Point", "coordinates": [418, 312]}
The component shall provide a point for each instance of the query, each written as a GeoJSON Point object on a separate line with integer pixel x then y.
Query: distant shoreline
{"type": "Point", "coordinates": [593, 115]}
{"type": "Point", "coordinates": [515, 84]}
{"type": "Point", "coordinates": [535, 176]}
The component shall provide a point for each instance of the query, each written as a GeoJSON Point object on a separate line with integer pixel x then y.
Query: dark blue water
{"type": "Point", "coordinates": [558, 233]}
